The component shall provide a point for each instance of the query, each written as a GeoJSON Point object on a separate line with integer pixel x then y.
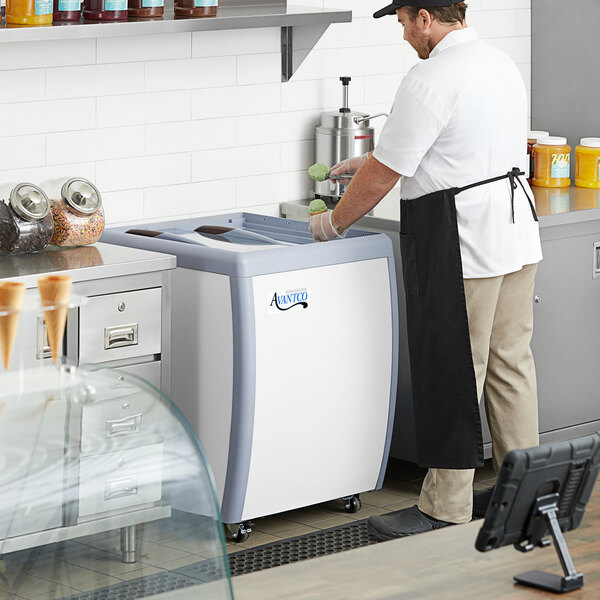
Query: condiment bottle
{"type": "Point", "coordinates": [146, 8]}
{"type": "Point", "coordinates": [532, 138]}
{"type": "Point", "coordinates": [26, 224]}
{"type": "Point", "coordinates": [196, 8]}
{"type": "Point", "coordinates": [552, 162]}
{"type": "Point", "coordinates": [67, 10]}
{"type": "Point", "coordinates": [29, 12]}
{"type": "Point", "coordinates": [105, 10]}
{"type": "Point", "coordinates": [587, 163]}
{"type": "Point", "coordinates": [78, 215]}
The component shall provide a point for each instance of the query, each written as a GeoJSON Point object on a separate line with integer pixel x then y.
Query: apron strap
{"type": "Point", "coordinates": [513, 175]}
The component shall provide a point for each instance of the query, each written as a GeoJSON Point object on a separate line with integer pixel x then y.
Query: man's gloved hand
{"type": "Point", "coordinates": [348, 166]}
{"type": "Point", "coordinates": [322, 229]}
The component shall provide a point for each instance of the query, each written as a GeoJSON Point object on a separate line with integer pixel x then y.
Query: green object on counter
{"type": "Point", "coordinates": [317, 206]}
{"type": "Point", "coordinates": [318, 171]}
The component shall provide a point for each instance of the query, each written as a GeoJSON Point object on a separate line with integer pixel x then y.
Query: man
{"type": "Point", "coordinates": [457, 136]}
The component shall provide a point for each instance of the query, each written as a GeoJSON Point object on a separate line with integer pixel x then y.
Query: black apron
{"type": "Point", "coordinates": [446, 407]}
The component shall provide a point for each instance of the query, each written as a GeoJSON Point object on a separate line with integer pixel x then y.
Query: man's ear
{"type": "Point", "coordinates": [425, 18]}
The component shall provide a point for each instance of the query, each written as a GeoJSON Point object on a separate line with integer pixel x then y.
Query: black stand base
{"type": "Point", "coordinates": [550, 582]}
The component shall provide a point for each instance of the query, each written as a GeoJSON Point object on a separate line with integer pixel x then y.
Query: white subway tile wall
{"type": "Point", "coordinates": [191, 124]}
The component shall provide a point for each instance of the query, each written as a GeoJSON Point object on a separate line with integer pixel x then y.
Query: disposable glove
{"type": "Point", "coordinates": [349, 166]}
{"type": "Point", "coordinates": [322, 229]}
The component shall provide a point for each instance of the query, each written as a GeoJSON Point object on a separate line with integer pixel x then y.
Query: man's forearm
{"type": "Point", "coordinates": [368, 186]}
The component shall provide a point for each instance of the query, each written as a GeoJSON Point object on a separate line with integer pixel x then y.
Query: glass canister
{"type": "Point", "coordinates": [67, 10]}
{"type": "Point", "coordinates": [196, 8]}
{"type": "Point", "coordinates": [78, 215]}
{"type": "Point", "coordinates": [552, 162]}
{"type": "Point", "coordinates": [26, 224]}
{"type": "Point", "coordinates": [146, 8]}
{"type": "Point", "coordinates": [587, 163]}
{"type": "Point", "coordinates": [29, 12]}
{"type": "Point", "coordinates": [532, 138]}
{"type": "Point", "coordinates": [105, 10]}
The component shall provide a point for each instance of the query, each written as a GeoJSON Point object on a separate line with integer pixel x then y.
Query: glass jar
{"type": "Point", "coordinates": [78, 215]}
{"type": "Point", "coordinates": [146, 8]}
{"type": "Point", "coordinates": [196, 8]}
{"type": "Point", "coordinates": [587, 163]}
{"type": "Point", "coordinates": [29, 12]}
{"type": "Point", "coordinates": [26, 223]}
{"type": "Point", "coordinates": [532, 138]}
{"type": "Point", "coordinates": [105, 10]}
{"type": "Point", "coordinates": [552, 162]}
{"type": "Point", "coordinates": [67, 10]}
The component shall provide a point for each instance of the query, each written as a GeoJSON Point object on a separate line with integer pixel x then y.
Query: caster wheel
{"type": "Point", "coordinates": [352, 505]}
{"type": "Point", "coordinates": [243, 532]}
{"type": "Point", "coordinates": [239, 537]}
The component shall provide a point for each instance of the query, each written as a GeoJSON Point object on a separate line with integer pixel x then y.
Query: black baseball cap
{"type": "Point", "coordinates": [391, 9]}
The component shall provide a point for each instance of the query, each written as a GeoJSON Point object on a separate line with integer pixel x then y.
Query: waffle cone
{"type": "Point", "coordinates": [11, 299]}
{"type": "Point", "coordinates": [55, 291]}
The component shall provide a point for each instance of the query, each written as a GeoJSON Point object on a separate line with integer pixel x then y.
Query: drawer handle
{"type": "Point", "coordinates": [120, 488]}
{"type": "Point", "coordinates": [120, 335]}
{"type": "Point", "coordinates": [125, 426]}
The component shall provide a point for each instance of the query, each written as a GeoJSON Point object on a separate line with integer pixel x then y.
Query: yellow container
{"type": "Point", "coordinates": [552, 163]}
{"type": "Point", "coordinates": [587, 163]}
{"type": "Point", "coordinates": [532, 138]}
{"type": "Point", "coordinates": [29, 12]}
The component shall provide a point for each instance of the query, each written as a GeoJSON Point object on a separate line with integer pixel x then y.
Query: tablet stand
{"type": "Point", "coordinates": [544, 518]}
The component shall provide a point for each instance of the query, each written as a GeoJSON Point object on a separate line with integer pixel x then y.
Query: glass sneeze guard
{"type": "Point", "coordinates": [104, 489]}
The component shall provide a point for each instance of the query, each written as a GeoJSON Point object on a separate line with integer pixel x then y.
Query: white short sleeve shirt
{"type": "Point", "coordinates": [460, 117]}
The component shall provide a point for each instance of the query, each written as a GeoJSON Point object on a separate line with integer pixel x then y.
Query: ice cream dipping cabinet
{"type": "Point", "coordinates": [284, 356]}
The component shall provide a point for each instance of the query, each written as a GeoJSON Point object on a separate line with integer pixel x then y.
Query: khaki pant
{"type": "Point", "coordinates": [500, 315]}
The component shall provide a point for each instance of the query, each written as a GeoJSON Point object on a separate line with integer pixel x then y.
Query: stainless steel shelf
{"type": "Point", "coordinates": [301, 27]}
{"type": "Point", "coordinates": [228, 17]}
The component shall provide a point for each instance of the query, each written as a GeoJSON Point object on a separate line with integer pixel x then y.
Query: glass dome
{"type": "Point", "coordinates": [104, 489]}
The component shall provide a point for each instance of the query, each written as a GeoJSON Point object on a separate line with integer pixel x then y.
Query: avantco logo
{"type": "Point", "coordinates": [284, 301]}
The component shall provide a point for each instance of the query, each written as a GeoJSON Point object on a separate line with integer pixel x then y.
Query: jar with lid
{"type": "Point", "coordinates": [552, 162]}
{"type": "Point", "coordinates": [196, 8]}
{"type": "Point", "coordinates": [105, 10]}
{"type": "Point", "coordinates": [67, 10]}
{"type": "Point", "coordinates": [29, 12]}
{"type": "Point", "coordinates": [146, 8]}
{"type": "Point", "coordinates": [78, 214]}
{"type": "Point", "coordinates": [587, 163]}
{"type": "Point", "coordinates": [532, 138]}
{"type": "Point", "coordinates": [26, 223]}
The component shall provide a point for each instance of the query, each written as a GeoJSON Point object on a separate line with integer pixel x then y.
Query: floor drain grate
{"type": "Point", "coordinates": [310, 545]}
{"type": "Point", "coordinates": [157, 583]}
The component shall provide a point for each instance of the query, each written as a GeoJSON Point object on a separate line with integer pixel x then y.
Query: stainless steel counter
{"type": "Point", "coordinates": [86, 263]}
{"type": "Point", "coordinates": [554, 206]}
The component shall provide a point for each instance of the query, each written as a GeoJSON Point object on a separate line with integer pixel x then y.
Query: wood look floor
{"type": "Point", "coordinates": [440, 565]}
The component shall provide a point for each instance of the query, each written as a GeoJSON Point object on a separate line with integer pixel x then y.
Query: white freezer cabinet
{"type": "Point", "coordinates": [284, 356]}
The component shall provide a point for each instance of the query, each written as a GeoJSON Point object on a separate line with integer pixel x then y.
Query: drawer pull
{"type": "Point", "coordinates": [120, 488]}
{"type": "Point", "coordinates": [120, 335]}
{"type": "Point", "coordinates": [125, 426]}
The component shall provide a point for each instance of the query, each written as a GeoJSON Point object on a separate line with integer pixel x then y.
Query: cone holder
{"type": "Point", "coordinates": [28, 345]}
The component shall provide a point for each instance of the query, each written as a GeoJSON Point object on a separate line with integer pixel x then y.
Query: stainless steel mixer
{"type": "Point", "coordinates": [341, 134]}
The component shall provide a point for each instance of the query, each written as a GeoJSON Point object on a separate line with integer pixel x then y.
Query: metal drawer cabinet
{"type": "Point", "coordinates": [127, 421]}
{"type": "Point", "coordinates": [120, 326]}
{"type": "Point", "coordinates": [120, 480]}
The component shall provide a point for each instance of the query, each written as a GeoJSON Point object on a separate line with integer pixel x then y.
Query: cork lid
{"type": "Point", "coordinates": [81, 196]}
{"type": "Point", "coordinates": [29, 202]}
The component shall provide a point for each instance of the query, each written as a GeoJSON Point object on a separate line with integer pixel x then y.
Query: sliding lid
{"type": "Point", "coordinates": [29, 202]}
{"type": "Point", "coordinates": [81, 196]}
